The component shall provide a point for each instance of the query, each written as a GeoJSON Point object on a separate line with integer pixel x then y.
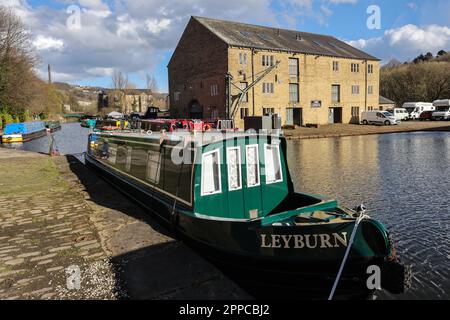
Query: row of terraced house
{"type": "Point", "coordinates": [234, 70]}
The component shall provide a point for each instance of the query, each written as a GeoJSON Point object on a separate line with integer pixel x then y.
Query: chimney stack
{"type": "Point", "coordinates": [49, 74]}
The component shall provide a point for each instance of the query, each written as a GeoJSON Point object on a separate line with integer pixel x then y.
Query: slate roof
{"type": "Point", "coordinates": [260, 37]}
{"type": "Point", "coordinates": [384, 100]}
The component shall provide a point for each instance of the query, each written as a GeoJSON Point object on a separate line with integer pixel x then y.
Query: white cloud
{"type": "Point", "coordinates": [155, 26]}
{"type": "Point", "coordinates": [131, 35]}
{"type": "Point", "coordinates": [48, 43]}
{"type": "Point", "coordinates": [406, 42]}
{"type": "Point", "coordinates": [100, 72]}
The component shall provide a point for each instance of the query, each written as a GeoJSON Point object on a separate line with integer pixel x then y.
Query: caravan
{"type": "Point", "coordinates": [442, 108]}
{"type": "Point", "coordinates": [415, 109]}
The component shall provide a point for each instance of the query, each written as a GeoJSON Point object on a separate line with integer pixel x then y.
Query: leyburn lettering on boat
{"type": "Point", "coordinates": [307, 241]}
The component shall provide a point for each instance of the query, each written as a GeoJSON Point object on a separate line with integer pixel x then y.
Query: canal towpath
{"type": "Point", "coordinates": [67, 234]}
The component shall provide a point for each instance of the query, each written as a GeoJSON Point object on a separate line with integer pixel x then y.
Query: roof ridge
{"type": "Point", "coordinates": [234, 33]}
{"type": "Point", "coordinates": [262, 26]}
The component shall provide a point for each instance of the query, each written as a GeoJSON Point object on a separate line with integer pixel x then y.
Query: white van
{"type": "Point", "coordinates": [442, 110]}
{"type": "Point", "coordinates": [379, 117]}
{"type": "Point", "coordinates": [399, 113]}
{"type": "Point", "coordinates": [415, 109]}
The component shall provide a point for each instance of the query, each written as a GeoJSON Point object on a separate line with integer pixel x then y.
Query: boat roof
{"type": "Point", "coordinates": [202, 138]}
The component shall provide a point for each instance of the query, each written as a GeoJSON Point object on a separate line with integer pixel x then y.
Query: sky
{"type": "Point", "coordinates": [86, 40]}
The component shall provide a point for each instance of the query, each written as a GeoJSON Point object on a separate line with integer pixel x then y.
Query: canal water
{"type": "Point", "coordinates": [72, 139]}
{"type": "Point", "coordinates": [404, 180]}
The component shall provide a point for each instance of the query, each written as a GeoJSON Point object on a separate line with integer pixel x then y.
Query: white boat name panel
{"type": "Point", "coordinates": [307, 241]}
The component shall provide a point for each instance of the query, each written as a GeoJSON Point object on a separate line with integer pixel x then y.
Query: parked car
{"type": "Point", "coordinates": [442, 110]}
{"type": "Point", "coordinates": [416, 108]}
{"type": "Point", "coordinates": [379, 117]}
{"type": "Point", "coordinates": [399, 113]}
{"type": "Point", "coordinates": [426, 115]}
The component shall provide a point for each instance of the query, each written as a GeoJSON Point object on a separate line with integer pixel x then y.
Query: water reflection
{"type": "Point", "coordinates": [72, 139]}
{"type": "Point", "coordinates": [404, 179]}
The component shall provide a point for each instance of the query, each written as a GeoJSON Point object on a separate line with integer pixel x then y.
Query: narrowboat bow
{"type": "Point", "coordinates": [232, 196]}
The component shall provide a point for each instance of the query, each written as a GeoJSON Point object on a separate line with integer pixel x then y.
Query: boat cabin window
{"type": "Point", "coordinates": [153, 166]}
{"type": "Point", "coordinates": [252, 166]}
{"type": "Point", "coordinates": [123, 158]}
{"type": "Point", "coordinates": [234, 169]}
{"type": "Point", "coordinates": [211, 183]}
{"type": "Point", "coordinates": [273, 164]}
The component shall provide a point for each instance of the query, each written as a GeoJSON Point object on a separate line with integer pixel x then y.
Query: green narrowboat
{"type": "Point", "coordinates": [232, 197]}
{"type": "Point", "coordinates": [53, 126]}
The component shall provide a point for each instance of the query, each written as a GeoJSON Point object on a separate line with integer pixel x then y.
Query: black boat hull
{"type": "Point", "coordinates": [252, 272]}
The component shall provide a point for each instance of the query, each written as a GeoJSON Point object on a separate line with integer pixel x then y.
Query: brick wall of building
{"type": "Point", "coordinates": [199, 62]}
{"type": "Point", "coordinates": [315, 78]}
{"type": "Point", "coordinates": [202, 60]}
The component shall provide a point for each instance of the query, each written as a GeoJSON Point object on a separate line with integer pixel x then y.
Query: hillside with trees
{"type": "Point", "coordinates": [425, 79]}
{"type": "Point", "coordinates": [23, 96]}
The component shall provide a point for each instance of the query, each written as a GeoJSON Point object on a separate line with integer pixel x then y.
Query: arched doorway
{"type": "Point", "coordinates": [195, 110]}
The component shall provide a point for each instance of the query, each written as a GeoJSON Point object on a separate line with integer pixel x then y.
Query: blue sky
{"type": "Point", "coordinates": [138, 36]}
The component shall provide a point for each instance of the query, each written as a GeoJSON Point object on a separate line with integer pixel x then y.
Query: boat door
{"type": "Point", "coordinates": [253, 204]}
{"type": "Point", "coordinates": [235, 159]}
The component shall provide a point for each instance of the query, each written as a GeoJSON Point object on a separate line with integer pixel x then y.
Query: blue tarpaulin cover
{"type": "Point", "coordinates": [24, 128]}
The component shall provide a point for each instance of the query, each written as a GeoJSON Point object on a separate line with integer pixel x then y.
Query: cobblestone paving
{"type": "Point", "coordinates": [56, 214]}
{"type": "Point", "coordinates": [44, 233]}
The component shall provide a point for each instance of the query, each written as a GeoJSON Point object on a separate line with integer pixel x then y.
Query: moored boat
{"type": "Point", "coordinates": [232, 197]}
{"type": "Point", "coordinates": [23, 132]}
{"type": "Point", "coordinates": [53, 126]}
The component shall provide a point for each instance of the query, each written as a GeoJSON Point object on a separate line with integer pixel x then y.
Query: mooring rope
{"type": "Point", "coordinates": [347, 252]}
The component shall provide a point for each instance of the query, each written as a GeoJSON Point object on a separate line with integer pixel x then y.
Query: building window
{"type": "Point", "coordinates": [252, 166]}
{"type": "Point", "coordinates": [268, 111]}
{"type": "Point", "coordinates": [211, 183]}
{"type": "Point", "coordinates": [214, 90]}
{"type": "Point", "coordinates": [242, 58]}
{"type": "Point", "coordinates": [244, 113]}
{"type": "Point", "coordinates": [267, 61]}
{"type": "Point", "coordinates": [214, 112]}
{"type": "Point", "coordinates": [272, 164]}
{"type": "Point", "coordinates": [293, 67]}
{"type": "Point", "coordinates": [370, 108]}
{"type": "Point", "coordinates": [293, 93]}
{"type": "Point", "coordinates": [243, 86]}
{"type": "Point", "coordinates": [355, 67]}
{"type": "Point", "coordinates": [355, 112]}
{"type": "Point", "coordinates": [335, 93]}
{"type": "Point", "coordinates": [370, 68]}
{"type": "Point", "coordinates": [234, 168]}
{"type": "Point", "coordinates": [268, 88]}
{"type": "Point", "coordinates": [176, 96]}
{"type": "Point", "coordinates": [335, 65]}
{"type": "Point", "coordinates": [355, 90]}
{"type": "Point", "coordinates": [370, 90]}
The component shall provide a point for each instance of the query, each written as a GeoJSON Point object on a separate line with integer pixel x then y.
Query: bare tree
{"type": "Point", "coordinates": [152, 84]}
{"type": "Point", "coordinates": [20, 88]}
{"type": "Point", "coordinates": [426, 81]}
{"type": "Point", "coordinates": [119, 84]}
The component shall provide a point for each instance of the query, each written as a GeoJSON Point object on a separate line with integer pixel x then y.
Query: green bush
{"type": "Point", "coordinates": [8, 118]}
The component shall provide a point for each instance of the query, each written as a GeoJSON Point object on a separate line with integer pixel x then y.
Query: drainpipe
{"type": "Point", "coordinates": [253, 81]}
{"type": "Point", "coordinates": [366, 83]}
{"type": "Point", "coordinates": [228, 79]}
